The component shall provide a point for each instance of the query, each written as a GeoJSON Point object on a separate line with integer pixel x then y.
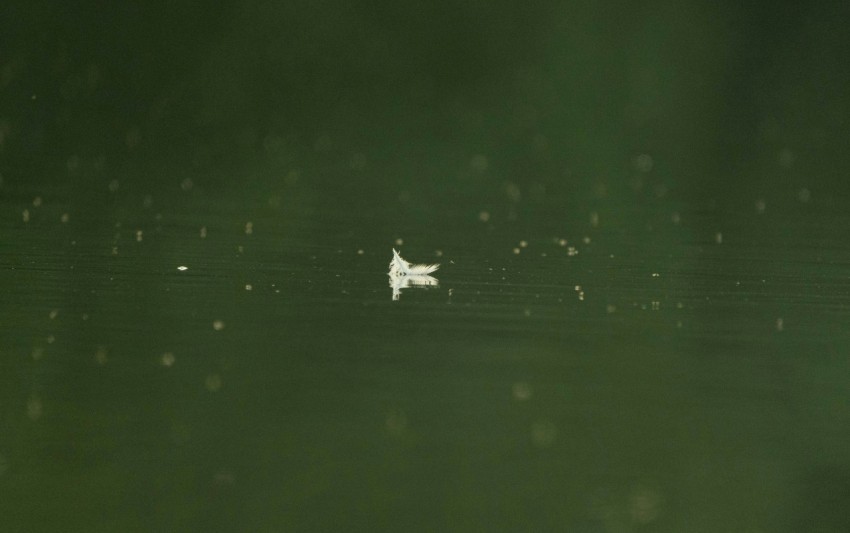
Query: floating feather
{"type": "Point", "coordinates": [400, 267]}
{"type": "Point", "coordinates": [403, 275]}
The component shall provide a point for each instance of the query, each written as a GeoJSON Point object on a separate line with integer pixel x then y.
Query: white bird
{"type": "Point", "coordinates": [400, 267]}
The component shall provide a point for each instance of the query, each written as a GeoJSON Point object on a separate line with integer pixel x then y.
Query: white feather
{"type": "Point", "coordinates": [400, 267]}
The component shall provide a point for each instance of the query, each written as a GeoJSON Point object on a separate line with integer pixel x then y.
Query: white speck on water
{"type": "Point", "coordinates": [543, 433]}
{"type": "Point", "coordinates": [484, 216]}
{"type": "Point", "coordinates": [594, 219]}
{"type": "Point", "coordinates": [516, 251]}
{"type": "Point", "coordinates": [786, 157]}
{"type": "Point", "coordinates": [36, 202]}
{"type": "Point", "coordinates": [249, 228]}
{"type": "Point", "coordinates": [26, 215]}
{"type": "Point", "coordinates": [167, 359]}
{"type": "Point", "coordinates": [203, 232]}
{"type": "Point", "coordinates": [218, 325]}
{"type": "Point", "coordinates": [360, 252]}
{"type": "Point", "coordinates": [718, 238]}
{"type": "Point", "coordinates": [656, 275]}
{"type": "Point", "coordinates": [213, 382]}
{"type": "Point", "coordinates": [51, 339]}
{"type": "Point", "coordinates": [521, 391]}
{"type": "Point", "coordinates": [611, 308]}
{"type": "Point", "coordinates": [479, 163]}
{"type": "Point", "coordinates": [53, 314]}
{"type": "Point", "coordinates": [586, 240]}
{"type": "Point", "coordinates": [562, 242]}
{"type": "Point", "coordinates": [513, 192]}
{"type": "Point", "coordinates": [64, 218]}
{"type": "Point", "coordinates": [34, 408]}
{"type": "Point", "coordinates": [139, 235]}
{"type": "Point", "coordinates": [187, 184]}
{"type": "Point", "coordinates": [182, 268]}
{"type": "Point", "coordinates": [399, 241]}
{"type": "Point", "coordinates": [523, 244]}
{"type": "Point", "coordinates": [249, 287]}
{"type": "Point", "coordinates": [780, 324]}
{"type": "Point", "coordinates": [643, 163]}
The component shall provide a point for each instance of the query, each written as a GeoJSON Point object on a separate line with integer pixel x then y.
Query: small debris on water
{"type": "Point", "coordinates": [213, 382]}
{"type": "Point", "coordinates": [521, 391]}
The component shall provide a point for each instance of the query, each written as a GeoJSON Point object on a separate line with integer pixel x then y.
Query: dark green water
{"type": "Point", "coordinates": [641, 322]}
{"type": "Point", "coordinates": [687, 384]}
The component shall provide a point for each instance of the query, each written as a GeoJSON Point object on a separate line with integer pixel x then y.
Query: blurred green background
{"type": "Point", "coordinates": [641, 211]}
{"type": "Point", "coordinates": [552, 92]}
